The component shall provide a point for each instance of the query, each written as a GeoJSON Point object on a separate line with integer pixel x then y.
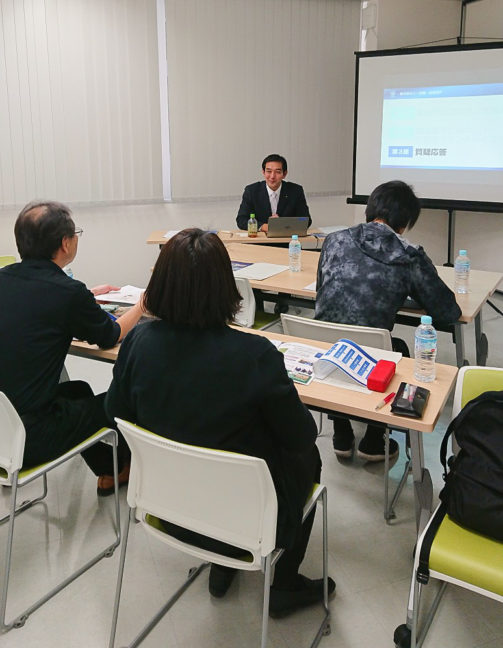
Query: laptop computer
{"type": "Point", "coordinates": [285, 226]}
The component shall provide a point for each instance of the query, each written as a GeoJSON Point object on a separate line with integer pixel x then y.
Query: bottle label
{"type": "Point", "coordinates": [426, 346]}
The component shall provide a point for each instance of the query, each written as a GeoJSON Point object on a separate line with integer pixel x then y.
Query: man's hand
{"type": "Point", "coordinates": [265, 226]}
{"type": "Point", "coordinates": [104, 288]}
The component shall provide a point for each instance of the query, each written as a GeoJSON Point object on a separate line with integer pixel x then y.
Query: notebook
{"type": "Point", "coordinates": [286, 226]}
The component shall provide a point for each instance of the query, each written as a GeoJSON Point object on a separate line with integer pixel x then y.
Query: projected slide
{"type": "Point", "coordinates": [443, 127]}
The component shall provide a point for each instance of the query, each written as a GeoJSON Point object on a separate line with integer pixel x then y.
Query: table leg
{"type": "Point", "coordinates": [423, 486]}
{"type": "Point", "coordinates": [460, 344]}
{"type": "Point", "coordinates": [481, 344]}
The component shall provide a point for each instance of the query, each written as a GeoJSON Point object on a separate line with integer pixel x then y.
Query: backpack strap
{"type": "Point", "coordinates": [423, 572]}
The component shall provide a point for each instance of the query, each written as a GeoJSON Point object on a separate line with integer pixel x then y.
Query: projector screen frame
{"type": "Point", "coordinates": [429, 203]}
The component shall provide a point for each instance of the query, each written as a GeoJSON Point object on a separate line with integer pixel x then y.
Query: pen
{"type": "Point", "coordinates": [384, 401]}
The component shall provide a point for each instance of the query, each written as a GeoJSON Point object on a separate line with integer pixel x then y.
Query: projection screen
{"type": "Point", "coordinates": [432, 117]}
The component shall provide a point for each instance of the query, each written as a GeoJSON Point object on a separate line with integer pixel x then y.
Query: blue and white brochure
{"type": "Point", "coordinates": [349, 358]}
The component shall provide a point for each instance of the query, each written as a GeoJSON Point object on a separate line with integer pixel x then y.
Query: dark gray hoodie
{"type": "Point", "coordinates": [366, 272]}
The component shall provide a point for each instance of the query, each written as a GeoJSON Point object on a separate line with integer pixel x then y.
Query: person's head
{"type": "Point", "coordinates": [45, 230]}
{"type": "Point", "coordinates": [395, 204]}
{"type": "Point", "coordinates": [192, 285]}
{"type": "Point", "coordinates": [274, 170]}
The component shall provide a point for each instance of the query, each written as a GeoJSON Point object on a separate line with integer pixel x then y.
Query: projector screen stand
{"type": "Point", "coordinates": [450, 238]}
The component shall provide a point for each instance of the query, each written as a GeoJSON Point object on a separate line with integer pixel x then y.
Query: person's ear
{"type": "Point", "coordinates": [65, 244]}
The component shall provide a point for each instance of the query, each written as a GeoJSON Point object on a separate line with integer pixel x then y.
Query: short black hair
{"type": "Point", "coordinates": [274, 157]}
{"type": "Point", "coordinates": [192, 285]}
{"type": "Point", "coordinates": [395, 203]}
{"type": "Point", "coordinates": [40, 229]}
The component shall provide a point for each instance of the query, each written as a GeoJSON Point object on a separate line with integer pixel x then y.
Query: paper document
{"type": "Point", "coordinates": [126, 295]}
{"type": "Point", "coordinates": [299, 360]}
{"type": "Point", "coordinates": [355, 361]}
{"type": "Point", "coordinates": [170, 233]}
{"type": "Point", "coordinates": [239, 265]}
{"type": "Point", "coordinates": [259, 271]}
{"type": "Point", "coordinates": [311, 286]}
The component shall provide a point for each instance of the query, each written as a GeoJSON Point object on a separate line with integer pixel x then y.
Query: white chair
{"type": "Point", "coordinates": [12, 440]}
{"type": "Point", "coordinates": [365, 336]}
{"type": "Point", "coordinates": [331, 332]}
{"type": "Point", "coordinates": [453, 553]}
{"type": "Point", "coordinates": [227, 496]}
{"type": "Point", "coordinates": [248, 314]}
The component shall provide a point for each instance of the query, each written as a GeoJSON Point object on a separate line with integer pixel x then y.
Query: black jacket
{"type": "Point", "coordinates": [366, 272]}
{"type": "Point", "coordinates": [42, 310]}
{"type": "Point", "coordinates": [255, 200]}
{"type": "Point", "coordinates": [222, 389]}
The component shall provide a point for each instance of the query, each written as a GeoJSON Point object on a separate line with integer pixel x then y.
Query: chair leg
{"type": "Point", "coordinates": [193, 574]}
{"type": "Point", "coordinates": [324, 628]}
{"type": "Point", "coordinates": [104, 553]}
{"type": "Point", "coordinates": [389, 513]}
{"type": "Point", "coordinates": [28, 503]}
{"type": "Point", "coordinates": [267, 592]}
{"type": "Point", "coordinates": [8, 555]}
{"type": "Point", "coordinates": [125, 535]}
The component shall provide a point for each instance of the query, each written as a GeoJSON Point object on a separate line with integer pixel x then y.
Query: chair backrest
{"type": "Point", "coordinates": [331, 332]}
{"type": "Point", "coordinates": [6, 260]}
{"type": "Point", "coordinates": [12, 436]}
{"type": "Point", "coordinates": [224, 495]}
{"type": "Point", "coordinates": [246, 314]}
{"type": "Point", "coordinates": [472, 381]}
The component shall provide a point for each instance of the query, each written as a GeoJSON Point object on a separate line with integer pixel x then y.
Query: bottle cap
{"type": "Point", "coordinates": [425, 319]}
{"type": "Point", "coordinates": [252, 215]}
{"type": "Point", "coordinates": [295, 237]}
{"type": "Point", "coordinates": [462, 252]}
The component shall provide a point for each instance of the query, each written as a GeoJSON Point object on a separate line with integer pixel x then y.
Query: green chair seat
{"type": "Point", "coordinates": [6, 260]}
{"type": "Point", "coordinates": [477, 559]}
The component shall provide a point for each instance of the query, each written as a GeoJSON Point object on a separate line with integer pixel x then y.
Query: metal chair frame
{"type": "Point", "coordinates": [15, 477]}
{"type": "Point", "coordinates": [192, 461]}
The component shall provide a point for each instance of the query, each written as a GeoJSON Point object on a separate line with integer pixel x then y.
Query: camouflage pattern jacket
{"type": "Point", "coordinates": [366, 272]}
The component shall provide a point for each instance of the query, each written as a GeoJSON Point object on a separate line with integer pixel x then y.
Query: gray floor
{"type": "Point", "coordinates": [370, 561]}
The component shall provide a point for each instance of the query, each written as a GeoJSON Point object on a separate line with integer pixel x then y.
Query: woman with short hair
{"type": "Point", "coordinates": [190, 377]}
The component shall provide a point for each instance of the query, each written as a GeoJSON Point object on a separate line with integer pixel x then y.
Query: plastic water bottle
{"type": "Point", "coordinates": [461, 272]}
{"type": "Point", "coordinates": [252, 226]}
{"type": "Point", "coordinates": [425, 350]}
{"type": "Point", "coordinates": [294, 250]}
{"type": "Point", "coordinates": [68, 271]}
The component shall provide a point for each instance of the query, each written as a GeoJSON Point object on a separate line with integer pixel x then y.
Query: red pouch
{"type": "Point", "coordinates": [381, 375]}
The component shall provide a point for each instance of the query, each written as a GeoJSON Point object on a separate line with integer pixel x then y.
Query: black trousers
{"type": "Point", "coordinates": [288, 565]}
{"type": "Point", "coordinates": [74, 415]}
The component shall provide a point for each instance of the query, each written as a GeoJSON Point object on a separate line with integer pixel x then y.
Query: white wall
{"type": "Point", "coordinates": [251, 77]}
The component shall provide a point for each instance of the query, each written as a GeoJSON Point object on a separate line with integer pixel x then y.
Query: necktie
{"type": "Point", "coordinates": [274, 202]}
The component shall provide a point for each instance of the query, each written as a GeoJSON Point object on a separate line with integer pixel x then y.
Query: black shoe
{"type": "Point", "coordinates": [307, 592]}
{"type": "Point", "coordinates": [343, 439]}
{"type": "Point", "coordinates": [220, 579]}
{"type": "Point", "coordinates": [371, 447]}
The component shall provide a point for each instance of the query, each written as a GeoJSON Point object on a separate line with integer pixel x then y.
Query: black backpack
{"type": "Point", "coordinates": [473, 491]}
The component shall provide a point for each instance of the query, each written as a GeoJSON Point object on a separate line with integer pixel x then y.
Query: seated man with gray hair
{"type": "Point", "coordinates": [43, 309]}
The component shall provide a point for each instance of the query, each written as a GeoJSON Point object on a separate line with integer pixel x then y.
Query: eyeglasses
{"type": "Point", "coordinates": [78, 231]}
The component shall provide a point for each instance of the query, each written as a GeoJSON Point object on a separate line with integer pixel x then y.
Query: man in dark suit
{"type": "Point", "coordinates": [273, 197]}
